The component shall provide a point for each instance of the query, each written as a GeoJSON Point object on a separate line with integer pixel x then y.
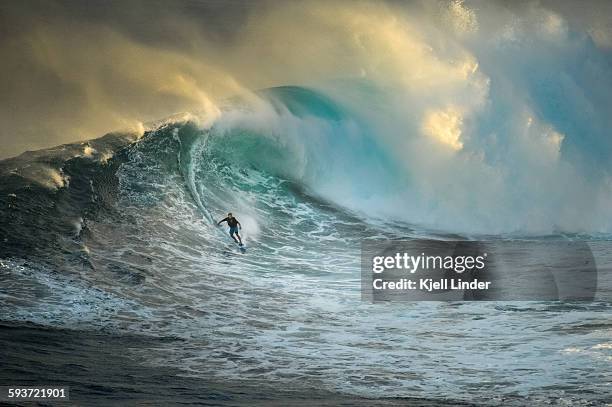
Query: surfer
{"type": "Point", "coordinates": [233, 225]}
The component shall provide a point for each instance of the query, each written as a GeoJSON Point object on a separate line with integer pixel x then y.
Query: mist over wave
{"type": "Point", "coordinates": [523, 178]}
{"type": "Point", "coordinates": [472, 117]}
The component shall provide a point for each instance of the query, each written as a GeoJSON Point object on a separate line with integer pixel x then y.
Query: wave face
{"type": "Point", "coordinates": [117, 235]}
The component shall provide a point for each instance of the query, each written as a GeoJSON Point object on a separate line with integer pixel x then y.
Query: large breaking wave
{"type": "Point", "coordinates": [117, 235]}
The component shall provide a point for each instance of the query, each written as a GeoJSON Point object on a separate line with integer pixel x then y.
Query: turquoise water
{"type": "Point", "coordinates": [128, 248]}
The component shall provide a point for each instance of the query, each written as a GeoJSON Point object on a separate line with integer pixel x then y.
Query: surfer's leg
{"type": "Point", "coordinates": [231, 233]}
{"type": "Point", "coordinates": [238, 236]}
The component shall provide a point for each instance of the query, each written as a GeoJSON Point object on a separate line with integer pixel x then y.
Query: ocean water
{"type": "Point", "coordinates": [115, 279]}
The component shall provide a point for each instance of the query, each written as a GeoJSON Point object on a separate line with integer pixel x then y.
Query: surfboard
{"type": "Point", "coordinates": [242, 248]}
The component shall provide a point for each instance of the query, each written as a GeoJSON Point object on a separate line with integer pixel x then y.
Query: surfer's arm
{"type": "Point", "coordinates": [221, 221]}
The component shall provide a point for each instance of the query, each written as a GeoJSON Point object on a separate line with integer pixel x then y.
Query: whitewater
{"type": "Point", "coordinates": [113, 241]}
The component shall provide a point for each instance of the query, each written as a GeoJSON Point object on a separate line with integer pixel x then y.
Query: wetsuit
{"type": "Point", "coordinates": [232, 223]}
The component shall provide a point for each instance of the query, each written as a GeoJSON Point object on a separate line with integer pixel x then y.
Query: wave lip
{"type": "Point", "coordinates": [128, 246]}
